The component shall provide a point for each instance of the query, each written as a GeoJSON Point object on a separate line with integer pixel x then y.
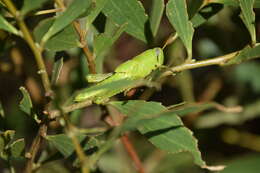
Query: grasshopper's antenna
{"type": "Point", "coordinates": [170, 40]}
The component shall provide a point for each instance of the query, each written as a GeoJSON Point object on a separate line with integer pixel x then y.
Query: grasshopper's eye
{"type": "Point", "coordinates": [157, 54]}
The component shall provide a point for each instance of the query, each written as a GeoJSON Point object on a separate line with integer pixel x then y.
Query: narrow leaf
{"type": "Point", "coordinates": [7, 26]}
{"type": "Point", "coordinates": [130, 12]}
{"type": "Point", "coordinates": [245, 54]}
{"type": "Point", "coordinates": [176, 11]}
{"type": "Point", "coordinates": [29, 5]}
{"type": "Point", "coordinates": [165, 132]}
{"type": "Point", "coordinates": [248, 17]}
{"type": "Point", "coordinates": [156, 15]}
{"type": "Point", "coordinates": [56, 71]}
{"type": "Point", "coordinates": [76, 8]}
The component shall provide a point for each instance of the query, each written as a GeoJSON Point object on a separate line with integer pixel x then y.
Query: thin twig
{"type": "Point", "coordinates": [37, 51]}
{"type": "Point", "coordinates": [132, 153]}
{"type": "Point", "coordinates": [221, 60]}
{"type": "Point", "coordinates": [31, 154]}
{"type": "Point", "coordinates": [87, 52]}
{"type": "Point", "coordinates": [72, 133]}
{"type": "Point", "coordinates": [66, 109]}
{"type": "Point", "coordinates": [42, 12]}
{"type": "Point", "coordinates": [83, 42]}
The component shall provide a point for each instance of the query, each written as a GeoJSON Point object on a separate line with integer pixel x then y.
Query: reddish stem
{"type": "Point", "coordinates": [132, 153]}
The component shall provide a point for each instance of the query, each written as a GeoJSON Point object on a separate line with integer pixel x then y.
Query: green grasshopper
{"type": "Point", "coordinates": [135, 69]}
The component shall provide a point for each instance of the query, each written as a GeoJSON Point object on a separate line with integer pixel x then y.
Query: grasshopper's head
{"type": "Point", "coordinates": [159, 56]}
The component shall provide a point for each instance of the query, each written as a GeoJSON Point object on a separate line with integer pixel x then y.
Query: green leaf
{"type": "Point", "coordinates": [176, 11]}
{"type": "Point", "coordinates": [56, 71]}
{"type": "Point", "coordinates": [66, 39]}
{"type": "Point", "coordinates": [7, 26]}
{"type": "Point", "coordinates": [245, 54]}
{"type": "Point", "coordinates": [75, 9]}
{"type": "Point", "coordinates": [64, 144]}
{"type": "Point", "coordinates": [245, 164]}
{"type": "Point", "coordinates": [130, 12]}
{"type": "Point", "coordinates": [165, 132]}
{"type": "Point", "coordinates": [156, 15]}
{"type": "Point", "coordinates": [103, 42]}
{"type": "Point", "coordinates": [99, 5]}
{"type": "Point", "coordinates": [2, 113]}
{"type": "Point", "coordinates": [17, 147]}
{"type": "Point", "coordinates": [29, 5]}
{"type": "Point", "coordinates": [248, 17]}
{"type": "Point", "coordinates": [26, 104]}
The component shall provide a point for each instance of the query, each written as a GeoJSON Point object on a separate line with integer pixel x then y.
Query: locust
{"type": "Point", "coordinates": [137, 68]}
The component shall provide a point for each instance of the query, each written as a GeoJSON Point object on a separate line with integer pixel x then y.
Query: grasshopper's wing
{"type": "Point", "coordinates": [94, 78]}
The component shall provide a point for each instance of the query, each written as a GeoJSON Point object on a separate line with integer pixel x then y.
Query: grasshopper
{"type": "Point", "coordinates": [135, 69]}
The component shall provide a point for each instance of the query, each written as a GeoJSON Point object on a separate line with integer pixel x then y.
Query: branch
{"type": "Point", "coordinates": [36, 50]}
{"type": "Point", "coordinates": [132, 153]}
{"type": "Point", "coordinates": [221, 60]}
{"type": "Point", "coordinates": [82, 39]}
